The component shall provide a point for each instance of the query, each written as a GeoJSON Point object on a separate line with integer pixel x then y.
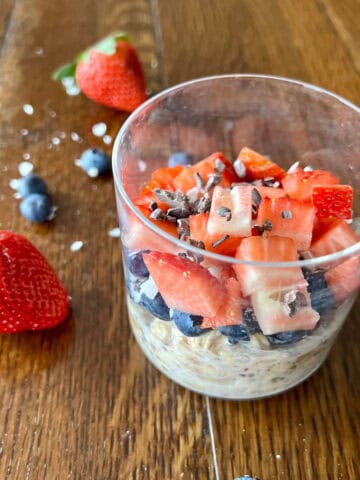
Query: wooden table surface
{"type": "Point", "coordinates": [81, 401]}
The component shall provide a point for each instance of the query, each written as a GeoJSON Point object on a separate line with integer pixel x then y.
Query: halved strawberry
{"type": "Point", "coordinates": [187, 180]}
{"type": "Point", "coordinates": [334, 201]}
{"type": "Point", "coordinates": [273, 314]}
{"type": "Point", "coordinates": [267, 249]}
{"type": "Point", "coordinates": [231, 212]}
{"type": "Point", "coordinates": [289, 218]}
{"type": "Point", "coordinates": [230, 311]}
{"type": "Point", "coordinates": [299, 184]}
{"type": "Point", "coordinates": [198, 231]}
{"type": "Point", "coordinates": [257, 166]}
{"type": "Point", "coordinates": [139, 237]}
{"type": "Point", "coordinates": [336, 237]}
{"type": "Point", "coordinates": [185, 285]}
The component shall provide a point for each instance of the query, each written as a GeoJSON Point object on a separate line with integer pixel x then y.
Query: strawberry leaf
{"type": "Point", "coordinates": [106, 46]}
{"type": "Point", "coordinates": [65, 71]}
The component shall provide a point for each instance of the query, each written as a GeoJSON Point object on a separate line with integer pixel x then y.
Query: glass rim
{"type": "Point", "coordinates": [311, 262]}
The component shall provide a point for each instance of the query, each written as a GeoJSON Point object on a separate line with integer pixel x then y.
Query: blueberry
{"type": "Point", "coordinates": [188, 324]}
{"type": "Point", "coordinates": [322, 298]}
{"type": "Point", "coordinates": [180, 158]}
{"type": "Point", "coordinates": [36, 207]}
{"type": "Point", "coordinates": [284, 338]}
{"type": "Point", "coordinates": [135, 262]}
{"type": "Point", "coordinates": [235, 333]}
{"type": "Point", "coordinates": [156, 306]}
{"type": "Point", "coordinates": [31, 184]}
{"type": "Point", "coordinates": [250, 321]}
{"type": "Point", "coordinates": [95, 162]}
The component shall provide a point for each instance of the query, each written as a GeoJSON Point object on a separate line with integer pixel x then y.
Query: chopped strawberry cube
{"type": "Point", "coordinates": [267, 249]}
{"type": "Point", "coordinates": [270, 192]}
{"type": "Point", "coordinates": [198, 231]}
{"type": "Point", "coordinates": [187, 179]}
{"type": "Point", "coordinates": [139, 237]}
{"type": "Point", "coordinates": [164, 177]}
{"type": "Point", "coordinates": [289, 218]}
{"type": "Point", "coordinates": [344, 279]}
{"type": "Point", "coordinates": [336, 237]}
{"type": "Point", "coordinates": [299, 184]}
{"type": "Point", "coordinates": [231, 212]}
{"type": "Point", "coordinates": [185, 285]}
{"type": "Point", "coordinates": [273, 313]}
{"type": "Point", "coordinates": [230, 311]}
{"type": "Point", "coordinates": [334, 201]}
{"type": "Point", "coordinates": [257, 166]}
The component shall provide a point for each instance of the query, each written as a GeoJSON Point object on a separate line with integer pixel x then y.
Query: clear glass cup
{"type": "Point", "coordinates": [289, 121]}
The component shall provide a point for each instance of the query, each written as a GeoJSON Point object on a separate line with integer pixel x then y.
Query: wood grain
{"type": "Point", "coordinates": [81, 401]}
{"type": "Point", "coordinates": [312, 431]}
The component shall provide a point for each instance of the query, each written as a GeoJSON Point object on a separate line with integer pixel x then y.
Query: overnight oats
{"type": "Point", "coordinates": [239, 272]}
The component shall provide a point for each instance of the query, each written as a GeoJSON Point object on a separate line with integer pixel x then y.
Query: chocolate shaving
{"type": "Point", "coordinates": [256, 197]}
{"type": "Point", "coordinates": [197, 243]}
{"type": "Point", "coordinates": [173, 199]}
{"type": "Point", "coordinates": [219, 166]}
{"type": "Point", "coordinates": [214, 179]}
{"type": "Point", "coordinates": [224, 212]}
{"type": "Point", "coordinates": [219, 241]}
{"type": "Point", "coordinates": [203, 205]}
{"type": "Point", "coordinates": [199, 180]}
{"type": "Point", "coordinates": [153, 206]}
{"type": "Point", "coordinates": [158, 214]}
{"type": "Point", "coordinates": [267, 225]}
{"type": "Point", "coordinates": [239, 168]}
{"type": "Point", "coordinates": [178, 212]}
{"type": "Point", "coordinates": [286, 214]}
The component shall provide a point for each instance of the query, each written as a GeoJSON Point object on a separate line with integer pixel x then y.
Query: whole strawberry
{"type": "Point", "coordinates": [31, 295]}
{"type": "Point", "coordinates": [109, 73]}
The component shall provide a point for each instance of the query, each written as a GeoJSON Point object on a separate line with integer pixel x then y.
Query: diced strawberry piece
{"type": "Point", "coordinates": [187, 180]}
{"type": "Point", "coordinates": [198, 231]}
{"type": "Point", "coordinates": [257, 166]}
{"type": "Point", "coordinates": [272, 314]}
{"type": "Point", "coordinates": [321, 225]}
{"type": "Point", "coordinates": [270, 192]}
{"type": "Point", "coordinates": [160, 178]}
{"type": "Point", "coordinates": [334, 201]}
{"type": "Point", "coordinates": [140, 237]}
{"type": "Point", "coordinates": [344, 279]}
{"type": "Point", "coordinates": [164, 177]}
{"type": "Point", "coordinates": [230, 311]}
{"type": "Point", "coordinates": [185, 285]}
{"type": "Point", "coordinates": [267, 249]}
{"type": "Point", "coordinates": [236, 220]}
{"type": "Point", "coordinates": [299, 184]}
{"type": "Point", "coordinates": [289, 218]}
{"type": "Point", "coordinates": [338, 236]}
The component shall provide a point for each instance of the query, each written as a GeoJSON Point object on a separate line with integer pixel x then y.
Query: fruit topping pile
{"type": "Point", "coordinates": [251, 210]}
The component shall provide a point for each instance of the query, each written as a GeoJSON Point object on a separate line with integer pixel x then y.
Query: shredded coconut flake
{"type": "Point", "coordinates": [70, 85]}
{"type": "Point", "coordinates": [55, 140]}
{"type": "Point", "coordinates": [114, 232]}
{"type": "Point", "coordinates": [25, 168]}
{"type": "Point", "coordinates": [14, 183]}
{"type": "Point", "coordinates": [26, 156]}
{"type": "Point", "coordinates": [28, 109]}
{"type": "Point", "coordinates": [99, 129]}
{"type": "Point", "coordinates": [293, 167]}
{"type": "Point", "coordinates": [24, 132]}
{"type": "Point", "coordinates": [76, 246]}
{"type": "Point", "coordinates": [75, 137]}
{"type": "Point", "coordinates": [39, 51]}
{"type": "Point", "coordinates": [107, 139]}
{"type": "Point", "coordinates": [93, 172]}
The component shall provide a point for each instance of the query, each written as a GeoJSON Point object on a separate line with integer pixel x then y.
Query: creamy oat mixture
{"type": "Point", "coordinates": [210, 365]}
